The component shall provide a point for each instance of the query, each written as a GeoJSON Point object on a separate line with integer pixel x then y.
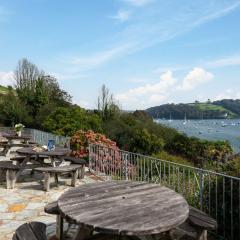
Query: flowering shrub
{"type": "Point", "coordinates": [105, 155]}
{"type": "Point", "coordinates": [81, 139]}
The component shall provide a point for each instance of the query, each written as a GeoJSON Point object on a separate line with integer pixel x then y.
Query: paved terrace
{"type": "Point", "coordinates": [26, 202]}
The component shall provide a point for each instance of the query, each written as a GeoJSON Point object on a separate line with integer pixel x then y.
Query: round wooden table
{"type": "Point", "coordinates": [56, 154]}
{"type": "Point", "coordinates": [124, 207]}
{"type": "Point", "coordinates": [12, 136]}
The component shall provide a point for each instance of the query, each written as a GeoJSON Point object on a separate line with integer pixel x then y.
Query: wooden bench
{"type": "Point", "coordinates": [56, 171]}
{"type": "Point", "coordinates": [78, 161]}
{"type": "Point", "coordinates": [7, 147]}
{"type": "Point", "coordinates": [31, 231]}
{"type": "Point", "coordinates": [196, 226]}
{"type": "Point", "coordinates": [6, 167]}
{"type": "Point", "coordinates": [20, 159]}
{"type": "Point", "coordinates": [52, 208]}
{"type": "Point", "coordinates": [202, 222]}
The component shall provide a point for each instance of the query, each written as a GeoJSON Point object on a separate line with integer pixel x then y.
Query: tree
{"type": "Point", "coordinates": [26, 74]}
{"type": "Point", "coordinates": [107, 107]}
{"type": "Point", "coordinates": [55, 93]}
{"type": "Point", "coordinates": [35, 90]}
{"type": "Point", "coordinates": [12, 110]}
{"type": "Point", "coordinates": [67, 120]}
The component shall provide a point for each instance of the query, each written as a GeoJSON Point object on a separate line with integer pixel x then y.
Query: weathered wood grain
{"type": "Point", "coordinates": [59, 169]}
{"type": "Point", "coordinates": [124, 207]}
{"type": "Point", "coordinates": [56, 171]}
{"type": "Point", "coordinates": [31, 231]}
{"type": "Point", "coordinates": [201, 219]}
{"type": "Point", "coordinates": [58, 152]}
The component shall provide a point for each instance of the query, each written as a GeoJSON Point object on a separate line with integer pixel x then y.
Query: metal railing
{"type": "Point", "coordinates": [41, 137]}
{"type": "Point", "coordinates": [214, 193]}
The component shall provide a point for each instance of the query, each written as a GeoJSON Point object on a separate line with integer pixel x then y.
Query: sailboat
{"type": "Point", "coordinates": [185, 119]}
{"type": "Point", "coordinates": [170, 118]}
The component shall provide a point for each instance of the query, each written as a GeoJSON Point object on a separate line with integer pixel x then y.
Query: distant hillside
{"type": "Point", "coordinates": [4, 90]}
{"type": "Point", "coordinates": [210, 110]}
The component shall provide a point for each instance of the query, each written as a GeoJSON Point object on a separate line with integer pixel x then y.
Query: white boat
{"type": "Point", "coordinates": [224, 124]}
{"type": "Point", "coordinates": [185, 119]}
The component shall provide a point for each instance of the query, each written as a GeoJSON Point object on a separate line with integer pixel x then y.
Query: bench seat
{"type": "Point", "coordinates": [31, 231]}
{"type": "Point", "coordinates": [56, 171]}
{"type": "Point", "coordinates": [195, 227]}
{"type": "Point", "coordinates": [10, 170]}
{"type": "Point", "coordinates": [78, 161]}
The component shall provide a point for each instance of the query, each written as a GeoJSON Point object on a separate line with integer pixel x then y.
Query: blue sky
{"type": "Point", "coordinates": [147, 52]}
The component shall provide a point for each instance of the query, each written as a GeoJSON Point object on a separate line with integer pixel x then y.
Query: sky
{"type": "Point", "coordinates": [147, 52]}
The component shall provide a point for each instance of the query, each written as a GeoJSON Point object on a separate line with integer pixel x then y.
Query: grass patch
{"type": "Point", "coordinates": [172, 158]}
{"type": "Point", "coordinates": [211, 107]}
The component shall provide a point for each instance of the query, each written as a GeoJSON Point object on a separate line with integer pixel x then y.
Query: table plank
{"type": "Point", "coordinates": [124, 207]}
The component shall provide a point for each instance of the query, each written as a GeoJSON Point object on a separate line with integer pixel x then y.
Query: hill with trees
{"type": "Point", "coordinates": [197, 110]}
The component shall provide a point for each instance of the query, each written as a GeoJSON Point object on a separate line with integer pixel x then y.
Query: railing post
{"type": "Point", "coordinates": [201, 189]}
{"type": "Point", "coordinates": [126, 166]}
{"type": "Point", "coordinates": [89, 158]}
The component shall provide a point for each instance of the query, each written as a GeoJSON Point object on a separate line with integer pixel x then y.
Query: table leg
{"type": "Point", "coordinates": [6, 151]}
{"type": "Point", "coordinates": [53, 162]}
{"type": "Point", "coordinates": [10, 178]}
{"type": "Point", "coordinates": [83, 233]}
{"type": "Point", "coordinates": [46, 181]}
{"type": "Point", "coordinates": [59, 227]}
{"type": "Point", "coordinates": [56, 179]}
{"type": "Point", "coordinates": [74, 178]}
{"type": "Point", "coordinates": [23, 165]}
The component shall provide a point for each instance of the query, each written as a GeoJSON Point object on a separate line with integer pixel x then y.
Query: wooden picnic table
{"type": "Point", "coordinates": [55, 155]}
{"type": "Point", "coordinates": [123, 208]}
{"type": "Point", "coordinates": [13, 136]}
{"type": "Point", "coordinates": [7, 145]}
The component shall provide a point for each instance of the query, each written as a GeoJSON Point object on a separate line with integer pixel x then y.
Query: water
{"type": "Point", "coordinates": [227, 129]}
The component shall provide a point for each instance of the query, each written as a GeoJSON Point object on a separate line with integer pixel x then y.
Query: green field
{"type": "Point", "coordinates": [3, 89]}
{"type": "Point", "coordinates": [211, 107]}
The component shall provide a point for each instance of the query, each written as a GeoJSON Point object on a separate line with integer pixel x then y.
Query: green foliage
{"type": "Point", "coordinates": [35, 89]}
{"type": "Point", "coordinates": [200, 152]}
{"type": "Point", "coordinates": [12, 111]}
{"type": "Point", "coordinates": [230, 104]}
{"type": "Point", "coordinates": [135, 132]}
{"type": "Point", "coordinates": [107, 107]}
{"type": "Point", "coordinates": [173, 158]}
{"type": "Point", "coordinates": [193, 111]}
{"type": "Point", "coordinates": [5, 90]}
{"type": "Point", "coordinates": [67, 120]}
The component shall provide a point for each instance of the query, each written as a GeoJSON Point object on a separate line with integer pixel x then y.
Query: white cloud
{"type": "Point", "coordinates": [155, 25]}
{"type": "Point", "coordinates": [157, 98]}
{"type": "Point", "coordinates": [228, 94]}
{"type": "Point", "coordinates": [172, 68]}
{"type": "Point", "coordinates": [195, 78]}
{"type": "Point", "coordinates": [217, 14]}
{"type": "Point", "coordinates": [226, 61]}
{"type": "Point", "coordinates": [149, 93]}
{"type": "Point", "coordinates": [100, 58]}
{"type": "Point", "coordinates": [122, 16]}
{"type": "Point", "coordinates": [138, 3]}
{"type": "Point", "coordinates": [6, 78]}
{"type": "Point", "coordinates": [163, 90]}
